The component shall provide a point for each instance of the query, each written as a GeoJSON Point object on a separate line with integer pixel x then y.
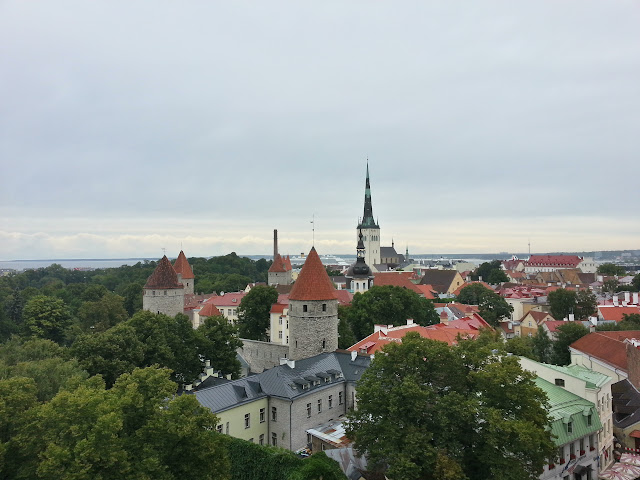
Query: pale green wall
{"type": "Point", "coordinates": [235, 418]}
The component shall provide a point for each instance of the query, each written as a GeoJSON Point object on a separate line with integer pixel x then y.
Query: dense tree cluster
{"type": "Point", "coordinates": [611, 269]}
{"type": "Point", "coordinates": [492, 307]}
{"type": "Point", "coordinates": [386, 305]}
{"type": "Point", "coordinates": [253, 312]}
{"type": "Point", "coordinates": [490, 272]}
{"type": "Point", "coordinates": [563, 302]}
{"type": "Point", "coordinates": [430, 411]}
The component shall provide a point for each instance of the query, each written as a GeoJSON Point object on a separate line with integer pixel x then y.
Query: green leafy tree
{"type": "Point", "coordinates": [46, 317]}
{"type": "Point", "coordinates": [486, 269]}
{"type": "Point", "coordinates": [253, 312]}
{"type": "Point", "coordinates": [136, 430]}
{"type": "Point", "coordinates": [542, 346]}
{"type": "Point", "coordinates": [610, 285]}
{"type": "Point", "coordinates": [219, 342]}
{"type": "Point", "coordinates": [635, 283]}
{"type": "Point", "coordinates": [132, 295]}
{"type": "Point", "coordinates": [102, 314]}
{"type": "Point", "coordinates": [404, 419]}
{"type": "Point", "coordinates": [522, 346]}
{"type": "Point", "coordinates": [567, 334]}
{"type": "Point", "coordinates": [346, 338]}
{"type": "Point", "coordinates": [387, 305]}
{"type": "Point", "coordinates": [492, 307]}
{"type": "Point", "coordinates": [611, 269]}
{"type": "Point", "coordinates": [497, 276]}
{"type": "Point", "coordinates": [586, 305]}
{"type": "Point", "coordinates": [562, 302]}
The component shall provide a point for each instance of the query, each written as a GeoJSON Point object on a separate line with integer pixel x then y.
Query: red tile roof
{"type": "Point", "coordinates": [163, 277]}
{"type": "Point", "coordinates": [552, 325]}
{"type": "Point", "coordinates": [209, 310]}
{"type": "Point", "coordinates": [607, 346]}
{"type": "Point", "coordinates": [344, 297]}
{"type": "Point", "coordinates": [537, 316]}
{"type": "Point", "coordinates": [553, 261]}
{"type": "Point", "coordinates": [182, 266]}
{"type": "Point", "coordinates": [278, 307]}
{"type": "Point", "coordinates": [427, 291]}
{"type": "Point", "coordinates": [395, 279]}
{"type": "Point", "coordinates": [313, 283]}
{"type": "Point", "coordinates": [613, 313]}
{"type": "Point", "coordinates": [227, 300]}
{"type": "Point", "coordinates": [278, 265]}
{"type": "Point", "coordinates": [376, 341]}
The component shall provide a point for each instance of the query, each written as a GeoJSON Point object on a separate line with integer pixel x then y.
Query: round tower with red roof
{"type": "Point", "coordinates": [163, 293]}
{"type": "Point", "coordinates": [313, 311]}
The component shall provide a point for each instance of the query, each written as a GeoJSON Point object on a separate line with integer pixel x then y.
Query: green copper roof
{"type": "Point", "coordinates": [593, 379]}
{"type": "Point", "coordinates": [567, 407]}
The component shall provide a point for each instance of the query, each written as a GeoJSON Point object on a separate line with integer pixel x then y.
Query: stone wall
{"type": "Point", "coordinates": [312, 331]}
{"type": "Point", "coordinates": [169, 301]}
{"type": "Point", "coordinates": [280, 278]}
{"type": "Point", "coordinates": [187, 283]}
{"type": "Point", "coordinates": [262, 355]}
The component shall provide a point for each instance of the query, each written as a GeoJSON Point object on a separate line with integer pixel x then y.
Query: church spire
{"type": "Point", "coordinates": [367, 219]}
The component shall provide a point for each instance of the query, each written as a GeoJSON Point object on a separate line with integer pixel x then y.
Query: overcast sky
{"type": "Point", "coordinates": [131, 126]}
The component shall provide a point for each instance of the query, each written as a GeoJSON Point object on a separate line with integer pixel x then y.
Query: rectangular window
{"type": "Point", "coordinates": [287, 339]}
{"type": "Point", "coordinates": [261, 439]}
{"type": "Point", "coordinates": [308, 410]}
{"type": "Point", "coordinates": [589, 420]}
{"type": "Point", "coordinates": [251, 440]}
{"type": "Point", "coordinates": [247, 420]}
{"type": "Point", "coordinates": [274, 439]}
{"type": "Point", "coordinates": [339, 398]}
{"type": "Point", "coordinates": [330, 401]}
{"type": "Point", "coordinates": [319, 405]}
{"type": "Point", "coordinates": [262, 415]}
{"type": "Point", "coordinates": [280, 321]}
{"type": "Point", "coordinates": [229, 312]}
{"type": "Point", "coordinates": [324, 307]}
{"type": "Point", "coordinates": [227, 428]}
{"type": "Point", "coordinates": [219, 428]}
{"type": "Point", "coordinates": [304, 308]}
{"type": "Point", "coordinates": [287, 323]}
{"type": "Point", "coordinates": [561, 453]}
{"type": "Point", "coordinates": [560, 382]}
{"type": "Point", "coordinates": [581, 446]}
{"type": "Point", "coordinates": [572, 450]}
{"type": "Point", "coordinates": [570, 427]}
{"type": "Point", "coordinates": [309, 438]}
{"type": "Point", "coordinates": [280, 334]}
{"type": "Point", "coordinates": [274, 414]}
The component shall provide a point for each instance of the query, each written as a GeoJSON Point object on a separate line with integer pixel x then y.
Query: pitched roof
{"type": "Point", "coordinates": [607, 346]}
{"type": "Point", "coordinates": [427, 291]}
{"type": "Point", "coordinates": [344, 297]}
{"type": "Point", "coordinates": [553, 260]}
{"type": "Point", "coordinates": [615, 314]}
{"type": "Point", "coordinates": [182, 266]}
{"type": "Point", "coordinates": [278, 307]}
{"type": "Point", "coordinates": [227, 299]}
{"type": "Point", "coordinates": [440, 280]}
{"type": "Point", "coordinates": [278, 265]}
{"type": "Point", "coordinates": [164, 276]}
{"type": "Point", "coordinates": [395, 279]}
{"type": "Point", "coordinates": [537, 316]}
{"type": "Point", "coordinates": [552, 325]}
{"type": "Point", "coordinates": [209, 310]}
{"type": "Point", "coordinates": [313, 283]}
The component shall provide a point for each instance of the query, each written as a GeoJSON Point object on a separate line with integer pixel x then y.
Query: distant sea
{"type": "Point", "coordinates": [72, 263]}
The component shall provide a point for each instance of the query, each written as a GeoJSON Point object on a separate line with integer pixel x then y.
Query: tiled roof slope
{"type": "Point", "coordinates": [553, 260]}
{"type": "Point", "coordinates": [182, 266]}
{"type": "Point", "coordinates": [285, 382]}
{"type": "Point", "coordinates": [395, 279]}
{"type": "Point", "coordinates": [278, 265]}
{"type": "Point", "coordinates": [313, 283]}
{"type": "Point", "coordinates": [164, 276]}
{"type": "Point", "coordinates": [616, 314]}
{"type": "Point", "coordinates": [607, 346]}
{"type": "Point", "coordinates": [566, 406]}
{"type": "Point", "coordinates": [440, 280]}
{"type": "Point", "coordinates": [209, 310]}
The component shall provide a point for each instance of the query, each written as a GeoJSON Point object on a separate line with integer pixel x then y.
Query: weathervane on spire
{"type": "Point", "coordinates": [313, 230]}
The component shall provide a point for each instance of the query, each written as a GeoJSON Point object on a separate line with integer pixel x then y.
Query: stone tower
{"type": "Point", "coordinates": [313, 311]}
{"type": "Point", "coordinates": [369, 228]}
{"type": "Point", "coordinates": [359, 276]}
{"type": "Point", "coordinates": [162, 292]}
{"type": "Point", "coordinates": [185, 274]}
{"type": "Point", "coordinates": [280, 272]}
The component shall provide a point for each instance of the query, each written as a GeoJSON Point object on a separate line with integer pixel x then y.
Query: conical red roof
{"type": "Point", "coordinates": [182, 266]}
{"type": "Point", "coordinates": [164, 276]}
{"type": "Point", "coordinates": [278, 264]}
{"type": "Point", "coordinates": [313, 283]}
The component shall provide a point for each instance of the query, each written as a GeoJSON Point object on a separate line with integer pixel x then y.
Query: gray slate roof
{"type": "Point", "coordinates": [285, 382]}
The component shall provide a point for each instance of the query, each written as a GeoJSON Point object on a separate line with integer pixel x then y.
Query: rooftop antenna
{"type": "Point", "coordinates": [529, 247]}
{"type": "Point", "coordinates": [313, 230]}
{"type": "Point", "coordinates": [164, 251]}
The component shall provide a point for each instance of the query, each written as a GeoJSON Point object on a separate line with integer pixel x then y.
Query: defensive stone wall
{"type": "Point", "coordinates": [262, 355]}
{"type": "Point", "coordinates": [280, 278]}
{"type": "Point", "coordinates": [169, 301]}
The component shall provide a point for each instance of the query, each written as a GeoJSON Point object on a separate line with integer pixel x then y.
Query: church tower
{"type": "Point", "coordinates": [185, 274]}
{"type": "Point", "coordinates": [359, 276]}
{"type": "Point", "coordinates": [369, 228]}
{"type": "Point", "coordinates": [313, 311]}
{"type": "Point", "coordinates": [163, 293]}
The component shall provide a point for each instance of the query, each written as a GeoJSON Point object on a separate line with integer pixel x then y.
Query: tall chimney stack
{"type": "Point", "coordinates": [275, 243]}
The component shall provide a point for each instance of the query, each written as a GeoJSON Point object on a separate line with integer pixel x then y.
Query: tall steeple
{"type": "Point", "coordinates": [367, 218]}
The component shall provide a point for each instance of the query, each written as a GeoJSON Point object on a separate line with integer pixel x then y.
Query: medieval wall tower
{"type": "Point", "coordinates": [369, 228]}
{"type": "Point", "coordinates": [184, 272]}
{"type": "Point", "coordinates": [313, 311]}
{"type": "Point", "coordinates": [163, 293]}
{"type": "Point", "coordinates": [280, 271]}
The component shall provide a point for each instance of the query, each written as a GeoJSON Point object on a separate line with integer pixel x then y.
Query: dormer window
{"type": "Point", "coordinates": [570, 427]}
{"type": "Point", "coordinates": [560, 382]}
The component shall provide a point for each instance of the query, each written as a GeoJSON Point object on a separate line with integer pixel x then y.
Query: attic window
{"type": "Point", "coordinates": [570, 427]}
{"type": "Point", "coordinates": [589, 420]}
{"type": "Point", "coordinates": [234, 300]}
{"type": "Point", "coordinates": [560, 382]}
